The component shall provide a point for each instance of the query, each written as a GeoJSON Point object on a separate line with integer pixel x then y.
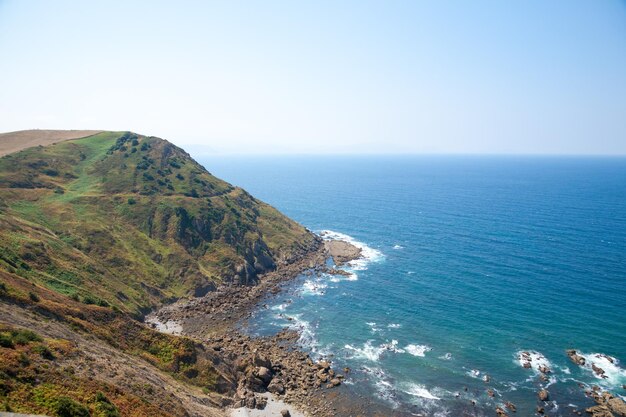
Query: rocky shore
{"type": "Point", "coordinates": [262, 365]}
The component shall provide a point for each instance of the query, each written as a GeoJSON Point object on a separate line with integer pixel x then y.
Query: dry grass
{"type": "Point", "coordinates": [16, 141]}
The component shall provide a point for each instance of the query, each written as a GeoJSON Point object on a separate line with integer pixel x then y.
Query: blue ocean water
{"type": "Point", "coordinates": [470, 260]}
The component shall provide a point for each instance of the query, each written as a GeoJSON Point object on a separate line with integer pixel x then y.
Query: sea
{"type": "Point", "coordinates": [468, 262]}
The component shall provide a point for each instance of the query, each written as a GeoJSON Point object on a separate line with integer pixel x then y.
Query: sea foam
{"type": "Point", "coordinates": [418, 350]}
{"type": "Point", "coordinates": [535, 359]}
{"type": "Point", "coordinates": [614, 373]}
{"type": "Point", "coordinates": [420, 391]}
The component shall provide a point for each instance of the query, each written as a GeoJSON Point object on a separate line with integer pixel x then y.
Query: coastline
{"type": "Point", "coordinates": [268, 370]}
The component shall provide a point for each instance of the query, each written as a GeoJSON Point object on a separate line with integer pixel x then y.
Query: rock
{"type": "Point", "coordinates": [617, 406]}
{"type": "Point", "coordinates": [285, 413]}
{"type": "Point", "coordinates": [259, 360]}
{"type": "Point", "coordinates": [510, 406]}
{"type": "Point", "coordinates": [598, 371]}
{"type": "Point", "coordinates": [261, 402]}
{"type": "Point", "coordinates": [255, 384]}
{"type": "Point", "coordinates": [544, 369]}
{"type": "Point", "coordinates": [264, 374]}
{"type": "Point", "coordinates": [250, 401]}
{"type": "Point", "coordinates": [341, 251]}
{"type": "Point", "coordinates": [544, 395]}
{"type": "Point", "coordinates": [276, 387]}
{"type": "Point", "coordinates": [324, 365]}
{"type": "Point", "coordinates": [575, 357]}
{"type": "Point", "coordinates": [490, 392]}
{"type": "Point", "coordinates": [599, 411]}
{"type": "Point", "coordinates": [500, 412]}
{"type": "Point", "coordinates": [335, 382]}
{"type": "Point", "coordinates": [540, 410]}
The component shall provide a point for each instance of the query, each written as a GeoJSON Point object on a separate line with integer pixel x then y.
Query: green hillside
{"type": "Point", "coordinates": [128, 221]}
{"type": "Point", "coordinates": [94, 232]}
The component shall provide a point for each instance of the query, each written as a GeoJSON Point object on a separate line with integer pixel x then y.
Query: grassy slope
{"type": "Point", "coordinates": [131, 221]}
{"type": "Point", "coordinates": [98, 230]}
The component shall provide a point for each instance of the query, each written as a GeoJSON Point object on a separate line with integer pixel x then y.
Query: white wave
{"type": "Point", "coordinates": [368, 254]}
{"type": "Point", "coordinates": [420, 391]}
{"type": "Point", "coordinates": [447, 356]}
{"type": "Point", "coordinates": [398, 247]}
{"type": "Point", "coordinates": [373, 353]}
{"type": "Point", "coordinates": [383, 386]}
{"type": "Point", "coordinates": [534, 359]}
{"type": "Point", "coordinates": [614, 374]}
{"type": "Point", "coordinates": [392, 347]}
{"type": "Point", "coordinates": [313, 287]}
{"type": "Point", "coordinates": [340, 278]}
{"type": "Point", "coordinates": [367, 352]}
{"type": "Point", "coordinates": [394, 326]}
{"type": "Point", "coordinates": [307, 337]}
{"type": "Point", "coordinates": [280, 307]}
{"type": "Point", "coordinates": [418, 350]}
{"type": "Point", "coordinates": [373, 327]}
{"type": "Point", "coordinates": [474, 373]}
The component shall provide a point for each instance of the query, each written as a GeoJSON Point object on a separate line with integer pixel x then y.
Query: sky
{"type": "Point", "coordinates": [323, 77]}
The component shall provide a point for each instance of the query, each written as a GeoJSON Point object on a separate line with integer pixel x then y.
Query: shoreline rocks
{"type": "Point", "coordinates": [342, 252]}
{"type": "Point", "coordinates": [263, 365]}
{"type": "Point", "coordinates": [608, 405]}
{"type": "Point", "coordinates": [575, 357]}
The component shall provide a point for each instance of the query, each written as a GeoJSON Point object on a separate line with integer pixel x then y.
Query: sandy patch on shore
{"type": "Point", "coordinates": [170, 326]}
{"type": "Point", "coordinates": [273, 408]}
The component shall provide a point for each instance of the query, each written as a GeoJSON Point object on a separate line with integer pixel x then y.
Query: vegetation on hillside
{"type": "Point", "coordinates": [128, 221]}
{"type": "Point", "coordinates": [97, 231]}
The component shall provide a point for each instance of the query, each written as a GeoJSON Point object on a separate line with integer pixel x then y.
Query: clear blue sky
{"type": "Point", "coordinates": [531, 76]}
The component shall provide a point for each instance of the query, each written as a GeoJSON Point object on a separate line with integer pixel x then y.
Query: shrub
{"type": "Point", "coordinates": [3, 287]}
{"type": "Point", "coordinates": [66, 407]}
{"type": "Point", "coordinates": [33, 297]}
{"type": "Point", "coordinates": [105, 407]}
{"type": "Point", "coordinates": [131, 201]}
{"type": "Point", "coordinates": [24, 337]}
{"type": "Point", "coordinates": [5, 341]}
{"type": "Point", "coordinates": [44, 352]}
{"type": "Point", "coordinates": [88, 299]}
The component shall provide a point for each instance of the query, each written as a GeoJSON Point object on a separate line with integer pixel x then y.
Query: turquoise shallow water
{"type": "Point", "coordinates": [471, 260]}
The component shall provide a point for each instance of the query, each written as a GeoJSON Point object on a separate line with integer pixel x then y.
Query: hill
{"type": "Point", "coordinates": [132, 221]}
{"type": "Point", "coordinates": [94, 233]}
